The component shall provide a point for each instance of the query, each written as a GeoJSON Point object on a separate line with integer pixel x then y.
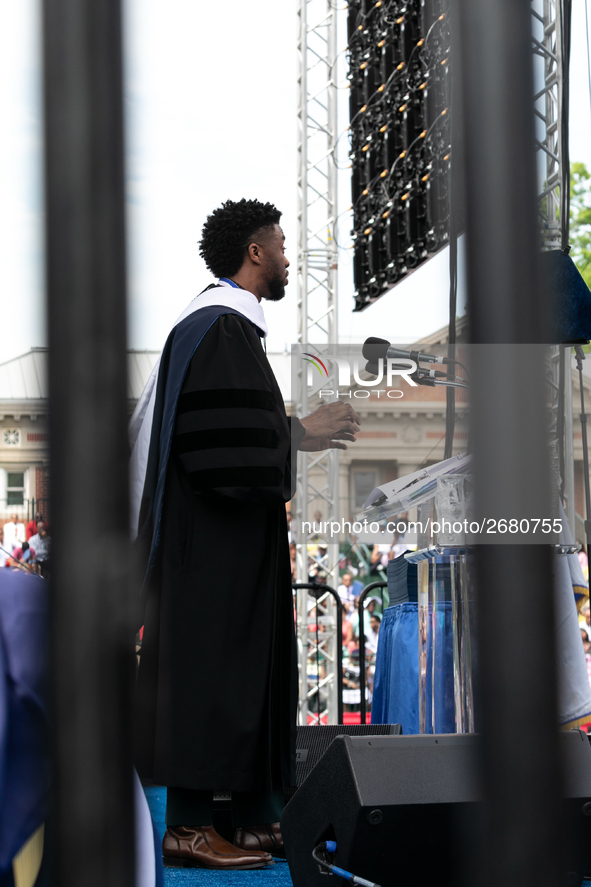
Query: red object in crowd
{"type": "Point", "coordinates": [354, 717]}
{"type": "Point", "coordinates": [349, 717]}
{"type": "Point", "coordinates": [323, 719]}
{"type": "Point", "coordinates": [17, 553]}
{"type": "Point", "coordinates": [31, 528]}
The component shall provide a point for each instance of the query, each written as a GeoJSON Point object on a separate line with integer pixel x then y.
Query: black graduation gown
{"type": "Point", "coordinates": [217, 682]}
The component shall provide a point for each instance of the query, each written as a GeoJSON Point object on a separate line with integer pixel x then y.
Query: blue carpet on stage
{"type": "Point", "coordinates": [274, 876]}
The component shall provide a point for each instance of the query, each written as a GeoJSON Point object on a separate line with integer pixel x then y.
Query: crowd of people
{"type": "Point", "coordinates": [353, 578]}
{"type": "Point", "coordinates": [349, 592]}
{"type": "Point", "coordinates": [25, 546]}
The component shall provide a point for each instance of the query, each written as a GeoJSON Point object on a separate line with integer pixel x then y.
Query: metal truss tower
{"type": "Point", "coordinates": [551, 39]}
{"type": "Point", "coordinates": [548, 34]}
{"type": "Point", "coordinates": [318, 473]}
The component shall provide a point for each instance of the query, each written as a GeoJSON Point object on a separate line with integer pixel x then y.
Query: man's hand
{"type": "Point", "coordinates": [328, 426]}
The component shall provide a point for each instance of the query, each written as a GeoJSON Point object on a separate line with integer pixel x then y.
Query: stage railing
{"type": "Point", "coordinates": [318, 591]}
{"type": "Point", "coordinates": [361, 610]}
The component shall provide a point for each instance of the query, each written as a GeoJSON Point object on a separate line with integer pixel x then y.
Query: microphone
{"type": "Point", "coordinates": [374, 349]}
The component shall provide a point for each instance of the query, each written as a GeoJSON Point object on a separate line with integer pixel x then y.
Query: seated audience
{"type": "Point", "coordinates": [14, 533]}
{"type": "Point", "coordinates": [40, 542]}
{"type": "Point", "coordinates": [32, 525]}
{"type": "Point", "coordinates": [371, 636]}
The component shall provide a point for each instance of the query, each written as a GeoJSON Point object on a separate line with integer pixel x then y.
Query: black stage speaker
{"type": "Point", "coordinates": [311, 744]}
{"type": "Point", "coordinates": [402, 809]}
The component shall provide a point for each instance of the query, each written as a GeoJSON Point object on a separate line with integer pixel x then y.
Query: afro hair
{"type": "Point", "coordinates": [229, 230]}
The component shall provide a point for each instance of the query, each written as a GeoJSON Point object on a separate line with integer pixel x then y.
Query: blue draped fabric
{"type": "Point", "coordinates": [24, 761]}
{"type": "Point", "coordinates": [24, 728]}
{"type": "Point", "coordinates": [396, 681]}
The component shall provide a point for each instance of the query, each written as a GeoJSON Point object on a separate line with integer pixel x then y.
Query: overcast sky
{"type": "Point", "coordinates": [211, 114]}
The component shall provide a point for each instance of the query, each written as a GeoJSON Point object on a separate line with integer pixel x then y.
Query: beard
{"type": "Point", "coordinates": [276, 288]}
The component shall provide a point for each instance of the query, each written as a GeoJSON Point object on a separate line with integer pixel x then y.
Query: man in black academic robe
{"type": "Point", "coordinates": [217, 686]}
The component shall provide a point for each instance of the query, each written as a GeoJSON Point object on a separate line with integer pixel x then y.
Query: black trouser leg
{"type": "Point", "coordinates": [256, 808]}
{"type": "Point", "coordinates": [186, 806]}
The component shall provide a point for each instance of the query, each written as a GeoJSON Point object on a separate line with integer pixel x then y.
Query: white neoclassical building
{"type": "Point", "coordinates": [397, 436]}
{"type": "Point", "coordinates": [24, 428]}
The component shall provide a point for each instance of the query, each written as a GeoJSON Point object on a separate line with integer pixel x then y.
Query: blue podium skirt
{"type": "Point", "coordinates": [396, 681]}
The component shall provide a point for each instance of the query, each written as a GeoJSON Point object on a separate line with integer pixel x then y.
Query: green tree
{"type": "Point", "coordinates": [580, 219]}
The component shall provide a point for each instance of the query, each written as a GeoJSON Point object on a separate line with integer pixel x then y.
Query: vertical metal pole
{"type": "Point", "coordinates": [563, 46]}
{"type": "Point", "coordinates": [467, 689]}
{"type": "Point", "coordinates": [332, 189]}
{"type": "Point", "coordinates": [583, 417]}
{"type": "Point", "coordinates": [301, 503]}
{"type": "Point", "coordinates": [361, 613]}
{"type": "Point", "coordinates": [434, 645]}
{"type": "Point", "coordinates": [302, 295]}
{"type": "Point", "coordinates": [507, 304]}
{"type": "Point", "coordinates": [423, 613]}
{"type": "Point", "coordinates": [332, 458]}
{"type": "Point", "coordinates": [92, 635]}
{"type": "Point", "coordinates": [456, 616]}
{"type": "Point", "coordinates": [558, 415]}
{"type": "Point", "coordinates": [569, 455]}
{"type": "Point", "coordinates": [317, 297]}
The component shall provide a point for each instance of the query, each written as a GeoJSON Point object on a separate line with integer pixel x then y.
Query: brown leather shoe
{"type": "Point", "coordinates": [202, 847]}
{"type": "Point", "coordinates": [260, 837]}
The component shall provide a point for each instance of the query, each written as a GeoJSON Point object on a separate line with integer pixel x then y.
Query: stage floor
{"type": "Point", "coordinates": [274, 876]}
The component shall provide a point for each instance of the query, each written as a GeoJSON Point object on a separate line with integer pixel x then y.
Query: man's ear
{"type": "Point", "coordinates": [254, 253]}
